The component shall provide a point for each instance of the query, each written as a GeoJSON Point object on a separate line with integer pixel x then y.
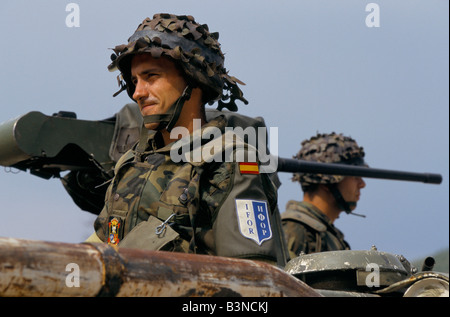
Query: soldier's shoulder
{"type": "Point", "coordinates": [295, 211]}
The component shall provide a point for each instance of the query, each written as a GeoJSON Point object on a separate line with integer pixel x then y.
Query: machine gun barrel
{"type": "Point", "coordinates": [301, 166]}
{"type": "Point", "coordinates": [47, 144]}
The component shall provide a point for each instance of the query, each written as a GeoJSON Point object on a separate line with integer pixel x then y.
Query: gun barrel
{"type": "Point", "coordinates": [300, 166]}
{"type": "Point", "coordinates": [428, 264]}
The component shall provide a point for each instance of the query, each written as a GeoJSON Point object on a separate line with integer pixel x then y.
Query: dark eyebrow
{"type": "Point", "coordinates": [149, 70]}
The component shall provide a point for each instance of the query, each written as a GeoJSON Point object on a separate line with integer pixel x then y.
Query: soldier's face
{"type": "Point", "coordinates": [350, 188]}
{"type": "Point", "coordinates": [158, 82]}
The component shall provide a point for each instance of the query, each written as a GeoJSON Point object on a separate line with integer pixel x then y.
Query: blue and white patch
{"type": "Point", "coordinates": [253, 219]}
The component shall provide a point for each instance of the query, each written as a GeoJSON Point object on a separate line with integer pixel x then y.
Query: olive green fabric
{"type": "Point", "coordinates": [308, 230]}
{"type": "Point", "coordinates": [201, 195]}
{"type": "Point", "coordinates": [167, 239]}
{"type": "Point", "coordinates": [127, 129]}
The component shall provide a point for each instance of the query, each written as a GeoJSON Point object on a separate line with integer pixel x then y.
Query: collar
{"type": "Point", "coordinates": [155, 144]}
{"type": "Point", "coordinates": [310, 209]}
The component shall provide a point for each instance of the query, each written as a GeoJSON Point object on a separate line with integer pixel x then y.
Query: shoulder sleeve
{"type": "Point", "coordinates": [244, 225]}
{"type": "Point", "coordinates": [304, 219]}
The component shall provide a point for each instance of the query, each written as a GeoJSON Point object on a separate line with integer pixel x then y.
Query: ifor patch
{"type": "Point", "coordinates": [253, 219]}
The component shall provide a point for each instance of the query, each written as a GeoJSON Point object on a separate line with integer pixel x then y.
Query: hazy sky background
{"type": "Point", "coordinates": [310, 66]}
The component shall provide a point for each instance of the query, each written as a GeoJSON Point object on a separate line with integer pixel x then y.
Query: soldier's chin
{"type": "Point", "coordinates": [352, 205]}
{"type": "Point", "coordinates": [152, 126]}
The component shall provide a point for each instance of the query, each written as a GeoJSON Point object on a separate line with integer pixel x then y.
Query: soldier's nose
{"type": "Point", "coordinates": [140, 92]}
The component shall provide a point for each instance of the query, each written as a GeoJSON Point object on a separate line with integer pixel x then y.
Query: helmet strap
{"type": "Point", "coordinates": [342, 203]}
{"type": "Point", "coordinates": [167, 120]}
{"type": "Point", "coordinates": [170, 118]}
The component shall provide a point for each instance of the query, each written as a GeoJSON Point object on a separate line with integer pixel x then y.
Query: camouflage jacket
{"type": "Point", "coordinates": [308, 230]}
{"type": "Point", "coordinates": [209, 207]}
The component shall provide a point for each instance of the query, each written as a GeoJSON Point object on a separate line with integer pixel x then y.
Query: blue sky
{"type": "Point", "coordinates": [309, 66]}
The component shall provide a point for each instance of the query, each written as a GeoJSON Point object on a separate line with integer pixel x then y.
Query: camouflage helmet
{"type": "Point", "coordinates": [328, 148]}
{"type": "Point", "coordinates": [191, 46]}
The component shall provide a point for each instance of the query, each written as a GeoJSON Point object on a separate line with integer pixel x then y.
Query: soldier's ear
{"type": "Point", "coordinates": [324, 188]}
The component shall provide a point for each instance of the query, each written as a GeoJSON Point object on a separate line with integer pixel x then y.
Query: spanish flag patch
{"type": "Point", "coordinates": [248, 168]}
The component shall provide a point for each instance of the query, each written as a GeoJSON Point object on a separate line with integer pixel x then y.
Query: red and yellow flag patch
{"type": "Point", "coordinates": [114, 228]}
{"type": "Point", "coordinates": [248, 168]}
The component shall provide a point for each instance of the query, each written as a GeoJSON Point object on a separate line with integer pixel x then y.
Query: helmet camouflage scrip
{"type": "Point", "coordinates": [191, 46]}
{"type": "Point", "coordinates": [328, 148]}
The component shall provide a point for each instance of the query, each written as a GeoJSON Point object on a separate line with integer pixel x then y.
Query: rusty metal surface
{"type": "Point", "coordinates": [200, 275]}
{"type": "Point", "coordinates": [38, 268]}
{"type": "Point", "coordinates": [35, 268]}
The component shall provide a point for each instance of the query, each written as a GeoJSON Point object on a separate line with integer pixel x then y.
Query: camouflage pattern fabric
{"type": "Point", "coordinates": [308, 230]}
{"type": "Point", "coordinates": [328, 148]}
{"type": "Point", "coordinates": [201, 196]}
{"type": "Point", "coordinates": [191, 46]}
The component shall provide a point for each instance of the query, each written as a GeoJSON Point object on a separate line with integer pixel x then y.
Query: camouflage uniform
{"type": "Point", "coordinates": [308, 230]}
{"type": "Point", "coordinates": [149, 188]}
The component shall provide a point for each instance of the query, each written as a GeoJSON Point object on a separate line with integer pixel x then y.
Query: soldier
{"type": "Point", "coordinates": [172, 66]}
{"type": "Point", "coordinates": [308, 225]}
